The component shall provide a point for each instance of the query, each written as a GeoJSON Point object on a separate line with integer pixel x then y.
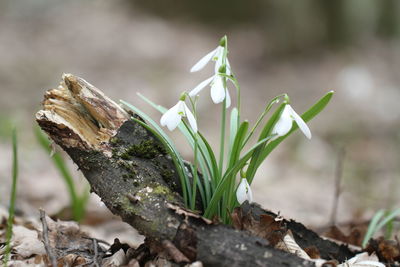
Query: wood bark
{"type": "Point", "coordinates": [136, 179]}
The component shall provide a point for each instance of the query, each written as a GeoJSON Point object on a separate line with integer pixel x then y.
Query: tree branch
{"type": "Point", "coordinates": [136, 179]}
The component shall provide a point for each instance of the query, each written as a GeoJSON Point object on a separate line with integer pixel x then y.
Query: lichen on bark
{"type": "Point", "coordinates": [129, 169]}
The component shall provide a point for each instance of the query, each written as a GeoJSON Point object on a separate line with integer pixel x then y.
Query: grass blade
{"type": "Point", "coordinates": [372, 227]}
{"type": "Point", "coordinates": [77, 205]}
{"type": "Point", "coordinates": [12, 197]}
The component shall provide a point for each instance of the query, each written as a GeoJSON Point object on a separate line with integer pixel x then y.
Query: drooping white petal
{"type": "Point", "coordinates": [300, 122]}
{"type": "Point", "coordinates": [228, 99]}
{"type": "Point", "coordinates": [284, 124]}
{"type": "Point", "coordinates": [173, 122]}
{"type": "Point", "coordinates": [168, 114]}
{"type": "Point", "coordinates": [243, 192]}
{"type": "Point", "coordinates": [204, 60]}
{"type": "Point", "coordinates": [217, 90]}
{"type": "Point", "coordinates": [191, 119]}
{"type": "Point", "coordinates": [172, 117]}
{"type": "Point", "coordinates": [195, 91]}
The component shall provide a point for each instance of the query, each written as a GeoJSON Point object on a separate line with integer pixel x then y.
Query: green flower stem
{"type": "Point", "coordinates": [275, 100]}
{"type": "Point", "coordinates": [222, 139]}
{"type": "Point", "coordinates": [195, 173]}
{"type": "Point", "coordinates": [223, 126]}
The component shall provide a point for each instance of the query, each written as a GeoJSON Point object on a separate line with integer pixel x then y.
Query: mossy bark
{"type": "Point", "coordinates": [136, 179]}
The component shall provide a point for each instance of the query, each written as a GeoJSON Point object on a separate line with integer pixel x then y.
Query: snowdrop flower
{"type": "Point", "coordinates": [174, 115]}
{"type": "Point", "coordinates": [215, 55]}
{"type": "Point", "coordinates": [284, 124]}
{"type": "Point", "coordinates": [243, 192]}
{"type": "Point", "coordinates": [218, 91]}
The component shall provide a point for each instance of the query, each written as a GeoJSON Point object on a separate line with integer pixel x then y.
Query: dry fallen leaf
{"type": "Point", "coordinates": [355, 237]}
{"type": "Point", "coordinates": [363, 260]}
{"type": "Point", "coordinates": [269, 227]}
{"type": "Point", "coordinates": [288, 244]}
{"type": "Point", "coordinates": [115, 260]}
{"type": "Point", "coordinates": [26, 243]}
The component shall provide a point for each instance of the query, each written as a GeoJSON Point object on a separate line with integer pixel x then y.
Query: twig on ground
{"type": "Point", "coordinates": [99, 241]}
{"type": "Point", "coordinates": [174, 252]}
{"type": "Point", "coordinates": [96, 253]}
{"type": "Point", "coordinates": [338, 179]}
{"type": "Point", "coordinates": [45, 237]}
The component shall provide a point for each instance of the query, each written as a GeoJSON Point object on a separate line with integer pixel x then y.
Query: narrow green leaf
{"type": "Point", "coordinates": [389, 217]}
{"type": "Point", "coordinates": [13, 197]}
{"type": "Point", "coordinates": [372, 227]}
{"type": "Point", "coordinates": [199, 187]}
{"type": "Point", "coordinates": [233, 157]}
{"type": "Point", "coordinates": [221, 186]}
{"type": "Point", "coordinates": [212, 158]}
{"type": "Point", "coordinates": [61, 166]}
{"type": "Point", "coordinates": [151, 103]}
{"type": "Point", "coordinates": [237, 143]}
{"type": "Point", "coordinates": [233, 127]}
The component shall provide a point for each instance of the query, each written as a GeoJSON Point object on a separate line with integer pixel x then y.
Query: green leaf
{"type": "Point", "coordinates": [388, 218]}
{"type": "Point", "coordinates": [234, 122]}
{"type": "Point", "coordinates": [203, 160]}
{"type": "Point", "coordinates": [211, 157]}
{"type": "Point", "coordinates": [237, 143]}
{"type": "Point", "coordinates": [372, 227]}
{"type": "Point", "coordinates": [233, 157]}
{"type": "Point", "coordinates": [13, 197]}
{"type": "Point", "coordinates": [151, 103]}
{"type": "Point", "coordinates": [221, 186]}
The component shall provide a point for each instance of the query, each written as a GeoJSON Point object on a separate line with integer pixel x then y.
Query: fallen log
{"type": "Point", "coordinates": [136, 179]}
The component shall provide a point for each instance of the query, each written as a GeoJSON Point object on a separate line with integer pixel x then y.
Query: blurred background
{"type": "Point", "coordinates": [304, 48]}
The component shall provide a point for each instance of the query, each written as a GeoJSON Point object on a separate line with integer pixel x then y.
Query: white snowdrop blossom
{"type": "Point", "coordinates": [218, 91]}
{"type": "Point", "coordinates": [215, 55]}
{"type": "Point", "coordinates": [285, 123]}
{"type": "Point", "coordinates": [222, 67]}
{"type": "Point", "coordinates": [243, 192]}
{"type": "Point", "coordinates": [174, 115]}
